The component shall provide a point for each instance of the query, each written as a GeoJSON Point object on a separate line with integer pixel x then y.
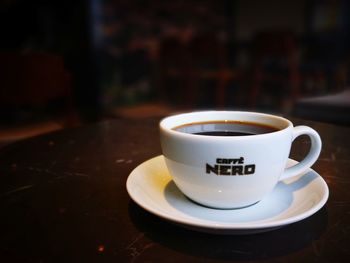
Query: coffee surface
{"type": "Point", "coordinates": [226, 128]}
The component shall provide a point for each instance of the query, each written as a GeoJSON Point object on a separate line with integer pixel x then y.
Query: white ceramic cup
{"type": "Point", "coordinates": [195, 161]}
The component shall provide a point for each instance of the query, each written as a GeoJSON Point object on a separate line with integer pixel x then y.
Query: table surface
{"type": "Point", "coordinates": [63, 199]}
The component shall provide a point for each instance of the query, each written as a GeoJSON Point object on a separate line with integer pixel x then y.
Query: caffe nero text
{"type": "Point", "coordinates": [230, 167]}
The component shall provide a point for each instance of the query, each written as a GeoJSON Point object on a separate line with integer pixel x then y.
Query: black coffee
{"type": "Point", "coordinates": [226, 128]}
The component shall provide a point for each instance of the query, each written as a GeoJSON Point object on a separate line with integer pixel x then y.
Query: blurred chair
{"type": "Point", "coordinates": [333, 108]}
{"type": "Point", "coordinates": [210, 62]}
{"type": "Point", "coordinates": [275, 60]}
{"type": "Point", "coordinates": [203, 59]}
{"type": "Point", "coordinates": [35, 95]}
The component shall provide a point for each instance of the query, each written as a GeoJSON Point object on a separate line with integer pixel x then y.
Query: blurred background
{"type": "Point", "coordinates": [64, 63]}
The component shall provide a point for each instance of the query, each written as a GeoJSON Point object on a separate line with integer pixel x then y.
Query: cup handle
{"type": "Point", "coordinates": [312, 155]}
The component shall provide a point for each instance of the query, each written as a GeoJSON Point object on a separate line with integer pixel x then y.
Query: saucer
{"type": "Point", "coordinates": [151, 187]}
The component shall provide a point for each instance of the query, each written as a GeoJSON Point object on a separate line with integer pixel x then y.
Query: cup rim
{"type": "Point", "coordinates": [164, 123]}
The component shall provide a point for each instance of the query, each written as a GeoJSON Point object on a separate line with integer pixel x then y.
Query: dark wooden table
{"type": "Point", "coordinates": [63, 199]}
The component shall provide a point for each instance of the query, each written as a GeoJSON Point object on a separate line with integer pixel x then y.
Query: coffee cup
{"type": "Point", "coordinates": [231, 159]}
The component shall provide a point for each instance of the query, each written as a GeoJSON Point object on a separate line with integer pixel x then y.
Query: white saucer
{"type": "Point", "coordinates": [152, 188]}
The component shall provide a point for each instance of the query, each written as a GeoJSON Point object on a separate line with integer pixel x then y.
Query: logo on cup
{"type": "Point", "coordinates": [230, 166]}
